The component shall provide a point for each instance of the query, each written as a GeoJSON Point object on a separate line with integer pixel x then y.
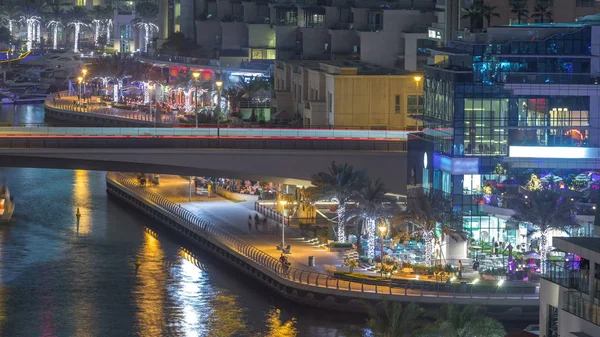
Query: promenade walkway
{"type": "Point", "coordinates": [233, 217]}
{"type": "Point", "coordinates": [227, 223]}
{"type": "Point", "coordinates": [96, 106]}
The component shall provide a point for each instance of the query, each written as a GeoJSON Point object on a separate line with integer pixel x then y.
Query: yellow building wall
{"type": "Point", "coordinates": [370, 100]}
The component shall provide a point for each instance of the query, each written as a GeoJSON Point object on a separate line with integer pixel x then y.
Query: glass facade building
{"type": "Point", "coordinates": [533, 86]}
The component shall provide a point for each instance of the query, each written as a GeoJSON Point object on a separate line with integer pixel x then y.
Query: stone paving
{"type": "Point", "coordinates": [233, 217]}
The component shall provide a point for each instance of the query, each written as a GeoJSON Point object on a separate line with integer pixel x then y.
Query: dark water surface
{"type": "Point", "coordinates": [58, 279]}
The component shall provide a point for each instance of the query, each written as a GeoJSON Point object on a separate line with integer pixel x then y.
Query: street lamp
{"type": "Point", "coordinates": [382, 230]}
{"type": "Point", "coordinates": [80, 80]}
{"type": "Point", "coordinates": [84, 72]}
{"type": "Point", "coordinates": [219, 84]}
{"type": "Point", "coordinates": [283, 203]}
{"type": "Point", "coordinates": [196, 75]}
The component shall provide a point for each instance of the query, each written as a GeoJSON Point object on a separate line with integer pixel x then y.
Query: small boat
{"type": "Point", "coordinates": [7, 205]}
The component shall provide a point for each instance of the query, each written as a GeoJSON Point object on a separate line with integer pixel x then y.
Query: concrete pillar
{"type": "Point", "coordinates": [187, 18]}
{"type": "Point", "coordinates": [163, 19]}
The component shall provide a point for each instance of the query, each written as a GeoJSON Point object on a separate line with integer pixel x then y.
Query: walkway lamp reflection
{"type": "Point", "coordinates": [382, 229]}
{"type": "Point", "coordinates": [196, 76]}
{"type": "Point", "coordinates": [219, 84]}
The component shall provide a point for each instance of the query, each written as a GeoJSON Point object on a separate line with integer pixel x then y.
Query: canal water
{"type": "Point", "coordinates": [61, 279]}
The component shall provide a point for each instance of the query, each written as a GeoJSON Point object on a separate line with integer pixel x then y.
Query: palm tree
{"type": "Point", "coordinates": [30, 14]}
{"type": "Point", "coordinates": [340, 185]}
{"type": "Point", "coordinates": [468, 322]}
{"type": "Point", "coordinates": [474, 15]}
{"type": "Point", "coordinates": [520, 9]}
{"type": "Point", "coordinates": [55, 14]}
{"type": "Point", "coordinates": [487, 12]}
{"type": "Point", "coordinates": [108, 20]}
{"type": "Point", "coordinates": [78, 17]}
{"type": "Point", "coordinates": [427, 212]}
{"type": "Point", "coordinates": [98, 16]}
{"type": "Point", "coordinates": [371, 198]}
{"type": "Point", "coordinates": [146, 13]}
{"type": "Point", "coordinates": [234, 94]}
{"type": "Point", "coordinates": [542, 12]}
{"type": "Point", "coordinates": [546, 210]}
{"type": "Point", "coordinates": [113, 69]}
{"type": "Point", "coordinates": [397, 320]}
{"type": "Point", "coordinates": [11, 14]}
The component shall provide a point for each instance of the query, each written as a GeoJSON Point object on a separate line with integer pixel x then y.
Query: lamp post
{"type": "Point", "coordinates": [219, 84]}
{"type": "Point", "coordinates": [84, 72]}
{"type": "Point", "coordinates": [196, 75]}
{"type": "Point", "coordinates": [283, 203]}
{"type": "Point", "coordinates": [382, 230]}
{"type": "Point", "coordinates": [80, 80]}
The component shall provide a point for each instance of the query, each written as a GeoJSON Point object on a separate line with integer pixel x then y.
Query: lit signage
{"type": "Point", "coordinates": [456, 165]}
{"type": "Point", "coordinates": [553, 152]}
{"type": "Point", "coordinates": [425, 160]}
{"type": "Point", "coordinates": [434, 34]}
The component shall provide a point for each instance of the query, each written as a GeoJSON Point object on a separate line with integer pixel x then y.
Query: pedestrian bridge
{"type": "Point", "coordinates": [279, 155]}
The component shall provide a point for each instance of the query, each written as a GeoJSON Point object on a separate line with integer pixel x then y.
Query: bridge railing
{"type": "Point", "coordinates": [257, 257]}
{"type": "Point", "coordinates": [105, 111]}
{"type": "Point", "coordinates": [304, 134]}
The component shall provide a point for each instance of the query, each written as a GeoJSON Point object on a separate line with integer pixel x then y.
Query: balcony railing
{"type": "Point", "coordinates": [566, 277]}
{"type": "Point", "coordinates": [577, 305]}
{"type": "Point", "coordinates": [549, 78]}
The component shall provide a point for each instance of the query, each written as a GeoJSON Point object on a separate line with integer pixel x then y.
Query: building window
{"type": "Point", "coordinates": [414, 104]}
{"type": "Point", "coordinates": [585, 3]}
{"type": "Point", "coordinates": [397, 104]}
{"type": "Point", "coordinates": [80, 3]}
{"type": "Point", "coordinates": [263, 54]}
{"type": "Point", "coordinates": [375, 21]}
{"type": "Point", "coordinates": [552, 323]}
{"type": "Point", "coordinates": [329, 102]}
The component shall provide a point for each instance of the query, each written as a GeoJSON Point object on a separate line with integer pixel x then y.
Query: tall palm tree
{"type": "Point", "coordinates": [97, 16]}
{"type": "Point", "coordinates": [108, 20]}
{"type": "Point", "coordinates": [542, 12]}
{"type": "Point", "coordinates": [78, 17]}
{"type": "Point", "coordinates": [55, 15]}
{"type": "Point", "coordinates": [113, 69]}
{"type": "Point", "coordinates": [475, 16]}
{"type": "Point", "coordinates": [428, 211]}
{"type": "Point", "coordinates": [11, 14]}
{"type": "Point", "coordinates": [452, 321]}
{"type": "Point", "coordinates": [30, 15]}
{"type": "Point", "coordinates": [520, 9]}
{"type": "Point", "coordinates": [339, 184]}
{"type": "Point", "coordinates": [546, 210]}
{"type": "Point", "coordinates": [397, 320]}
{"type": "Point", "coordinates": [371, 198]}
{"type": "Point", "coordinates": [146, 13]}
{"type": "Point", "coordinates": [487, 12]}
{"type": "Point", "coordinates": [234, 94]}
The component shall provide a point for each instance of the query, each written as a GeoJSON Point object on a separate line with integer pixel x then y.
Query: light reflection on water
{"type": "Point", "coordinates": [55, 282]}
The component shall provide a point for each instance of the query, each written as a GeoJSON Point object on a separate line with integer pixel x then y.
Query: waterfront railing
{"type": "Point", "coordinates": [256, 257]}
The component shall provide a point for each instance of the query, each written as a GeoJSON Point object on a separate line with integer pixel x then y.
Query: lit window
{"type": "Point", "coordinates": [397, 104]}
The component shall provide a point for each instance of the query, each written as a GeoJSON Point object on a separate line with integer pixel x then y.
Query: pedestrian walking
{"type": "Point", "coordinates": [460, 269]}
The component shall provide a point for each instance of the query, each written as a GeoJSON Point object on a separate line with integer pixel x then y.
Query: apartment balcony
{"type": "Point", "coordinates": [548, 78]}
{"type": "Point", "coordinates": [576, 305]}
{"type": "Point", "coordinates": [568, 277]}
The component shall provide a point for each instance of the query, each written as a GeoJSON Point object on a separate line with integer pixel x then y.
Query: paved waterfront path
{"type": "Point", "coordinates": [94, 105]}
{"type": "Point", "coordinates": [233, 217]}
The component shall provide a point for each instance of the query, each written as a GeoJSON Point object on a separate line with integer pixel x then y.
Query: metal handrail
{"type": "Point", "coordinates": [256, 257]}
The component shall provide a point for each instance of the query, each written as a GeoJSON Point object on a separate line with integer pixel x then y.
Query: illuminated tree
{"type": "Point", "coordinates": [98, 15]}
{"type": "Point", "coordinates": [534, 183]}
{"type": "Point", "coordinates": [30, 16]}
{"type": "Point", "coordinates": [146, 13]}
{"type": "Point", "coordinates": [11, 14]}
{"type": "Point", "coordinates": [339, 184]}
{"type": "Point", "coordinates": [371, 198]}
{"type": "Point", "coordinates": [546, 210]}
{"type": "Point", "coordinates": [78, 17]}
{"type": "Point", "coordinates": [108, 21]}
{"type": "Point", "coordinates": [428, 212]}
{"type": "Point", "coordinates": [499, 171]}
{"type": "Point", "coordinates": [55, 15]}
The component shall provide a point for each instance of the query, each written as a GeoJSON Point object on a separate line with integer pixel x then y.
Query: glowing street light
{"type": "Point", "coordinates": [196, 76]}
{"type": "Point", "coordinates": [282, 203]}
{"type": "Point", "coordinates": [219, 84]}
{"type": "Point", "coordinates": [80, 80]}
{"type": "Point", "coordinates": [382, 229]}
{"type": "Point", "coordinates": [84, 72]}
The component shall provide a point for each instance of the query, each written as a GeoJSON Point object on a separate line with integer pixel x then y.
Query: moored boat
{"type": "Point", "coordinates": [7, 204]}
